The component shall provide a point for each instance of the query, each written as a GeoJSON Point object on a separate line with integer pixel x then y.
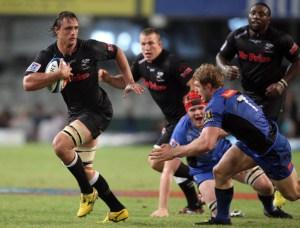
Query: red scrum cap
{"type": "Point", "coordinates": [193, 98]}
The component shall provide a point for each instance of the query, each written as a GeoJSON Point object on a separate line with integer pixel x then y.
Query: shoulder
{"type": "Point", "coordinates": [90, 43]}
{"type": "Point", "coordinates": [184, 123]}
{"type": "Point", "coordinates": [47, 53]}
{"type": "Point", "coordinates": [239, 33]}
{"type": "Point", "coordinates": [217, 101]}
{"type": "Point", "coordinates": [180, 131]}
{"type": "Point", "coordinates": [274, 31]}
{"type": "Point", "coordinates": [98, 44]}
{"type": "Point", "coordinates": [168, 56]}
{"type": "Point", "coordinates": [279, 36]}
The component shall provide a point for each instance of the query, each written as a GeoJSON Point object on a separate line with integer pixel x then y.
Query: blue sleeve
{"type": "Point", "coordinates": [179, 134]}
{"type": "Point", "coordinates": [214, 112]}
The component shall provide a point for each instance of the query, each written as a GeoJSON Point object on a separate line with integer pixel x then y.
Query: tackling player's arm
{"type": "Point", "coordinates": [38, 80]}
{"type": "Point", "coordinates": [205, 142]}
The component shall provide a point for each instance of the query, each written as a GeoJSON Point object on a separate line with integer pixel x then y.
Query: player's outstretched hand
{"type": "Point", "coordinates": [133, 87]}
{"type": "Point", "coordinates": [162, 153]}
{"type": "Point", "coordinates": [160, 213]}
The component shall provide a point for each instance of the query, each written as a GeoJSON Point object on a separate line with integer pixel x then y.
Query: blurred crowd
{"type": "Point", "coordinates": [41, 126]}
{"type": "Point", "coordinates": [37, 124]}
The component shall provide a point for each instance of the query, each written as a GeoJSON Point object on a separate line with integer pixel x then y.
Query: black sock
{"type": "Point", "coordinates": [224, 198]}
{"type": "Point", "coordinates": [76, 168]}
{"type": "Point", "coordinates": [183, 171]}
{"type": "Point", "coordinates": [190, 193]}
{"type": "Point", "coordinates": [107, 195]}
{"type": "Point", "coordinates": [267, 202]}
{"type": "Point", "coordinates": [187, 186]}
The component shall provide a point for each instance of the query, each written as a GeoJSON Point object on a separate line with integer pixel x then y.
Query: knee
{"type": "Point", "coordinates": [57, 145]}
{"type": "Point", "coordinates": [89, 172]}
{"type": "Point", "coordinates": [158, 166]}
{"type": "Point", "coordinates": [60, 146]}
{"type": "Point", "coordinates": [217, 171]}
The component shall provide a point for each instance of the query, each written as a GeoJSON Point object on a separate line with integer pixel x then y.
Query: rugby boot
{"type": "Point", "coordinates": [118, 216]}
{"type": "Point", "coordinates": [278, 213]}
{"type": "Point", "coordinates": [87, 203]}
{"type": "Point", "coordinates": [214, 221]}
{"type": "Point", "coordinates": [279, 200]}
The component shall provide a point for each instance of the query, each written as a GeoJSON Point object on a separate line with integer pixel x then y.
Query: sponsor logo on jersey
{"type": "Point", "coordinates": [269, 47]}
{"type": "Point", "coordinates": [159, 76]}
{"type": "Point", "coordinates": [189, 137]}
{"type": "Point", "coordinates": [110, 47]}
{"type": "Point", "coordinates": [34, 67]}
{"type": "Point", "coordinates": [252, 57]}
{"type": "Point", "coordinates": [293, 49]}
{"type": "Point", "coordinates": [255, 41]}
{"type": "Point", "coordinates": [80, 77]}
{"type": "Point", "coordinates": [208, 116]}
{"type": "Point", "coordinates": [85, 64]}
{"type": "Point", "coordinates": [154, 86]}
{"type": "Point", "coordinates": [173, 143]}
{"type": "Point", "coordinates": [186, 72]}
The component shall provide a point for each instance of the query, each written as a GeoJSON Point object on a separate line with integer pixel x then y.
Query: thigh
{"type": "Point", "coordinates": [83, 131]}
{"type": "Point", "coordinates": [96, 123]}
{"type": "Point", "coordinates": [289, 186]}
{"type": "Point", "coordinates": [73, 135]}
{"type": "Point", "coordinates": [234, 161]}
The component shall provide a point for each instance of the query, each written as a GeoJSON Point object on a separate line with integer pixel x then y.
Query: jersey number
{"type": "Point", "coordinates": [242, 98]}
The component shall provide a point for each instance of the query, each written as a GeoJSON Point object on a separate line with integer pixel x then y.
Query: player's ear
{"type": "Point", "coordinates": [160, 43]}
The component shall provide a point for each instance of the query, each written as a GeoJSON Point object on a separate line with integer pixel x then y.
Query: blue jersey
{"type": "Point", "coordinates": [240, 116]}
{"type": "Point", "coordinates": [258, 137]}
{"type": "Point", "coordinates": [185, 132]}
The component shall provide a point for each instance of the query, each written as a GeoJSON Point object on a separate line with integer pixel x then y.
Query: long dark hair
{"type": "Point", "coordinates": [58, 20]}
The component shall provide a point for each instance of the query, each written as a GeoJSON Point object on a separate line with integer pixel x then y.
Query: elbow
{"type": "Point", "coordinates": [209, 146]}
{"type": "Point", "coordinates": [27, 85]}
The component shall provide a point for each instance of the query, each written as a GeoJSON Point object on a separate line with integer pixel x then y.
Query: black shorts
{"type": "Point", "coordinates": [95, 122]}
{"type": "Point", "coordinates": [272, 106]}
{"type": "Point", "coordinates": [166, 134]}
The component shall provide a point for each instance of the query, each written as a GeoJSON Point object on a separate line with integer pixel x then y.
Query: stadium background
{"type": "Point", "coordinates": [35, 189]}
{"type": "Point", "coordinates": [193, 29]}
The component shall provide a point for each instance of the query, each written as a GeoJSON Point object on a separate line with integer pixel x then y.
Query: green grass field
{"type": "Point", "coordinates": [125, 168]}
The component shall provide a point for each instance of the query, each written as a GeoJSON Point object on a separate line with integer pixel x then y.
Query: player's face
{"type": "Point", "coordinates": [196, 113]}
{"type": "Point", "coordinates": [258, 18]}
{"type": "Point", "coordinates": [67, 33]}
{"type": "Point", "coordinates": [151, 46]}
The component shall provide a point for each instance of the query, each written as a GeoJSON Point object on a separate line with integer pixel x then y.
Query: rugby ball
{"type": "Point", "coordinates": [59, 85]}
